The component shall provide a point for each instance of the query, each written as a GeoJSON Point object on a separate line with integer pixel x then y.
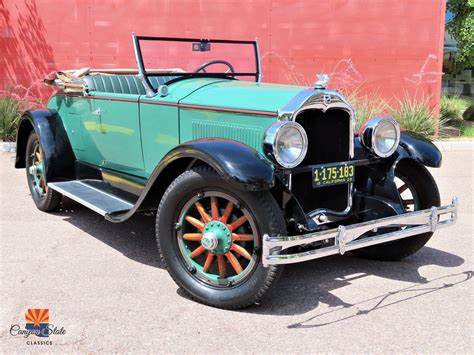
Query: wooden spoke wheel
{"type": "Point", "coordinates": [44, 198]}
{"type": "Point", "coordinates": [217, 238]}
{"type": "Point", "coordinates": [209, 237]}
{"type": "Point", "coordinates": [37, 171]}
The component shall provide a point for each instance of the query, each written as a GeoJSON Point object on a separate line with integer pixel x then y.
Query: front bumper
{"type": "Point", "coordinates": [346, 238]}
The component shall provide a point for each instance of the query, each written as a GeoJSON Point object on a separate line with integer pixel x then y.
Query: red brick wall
{"type": "Point", "coordinates": [384, 46]}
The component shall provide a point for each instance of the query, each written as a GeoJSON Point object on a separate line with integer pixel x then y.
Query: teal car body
{"type": "Point", "coordinates": [243, 176]}
{"type": "Point", "coordinates": [133, 133]}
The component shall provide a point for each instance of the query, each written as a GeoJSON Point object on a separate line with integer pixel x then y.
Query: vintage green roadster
{"type": "Point", "coordinates": [244, 176]}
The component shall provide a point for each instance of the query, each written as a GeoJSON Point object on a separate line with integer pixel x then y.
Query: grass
{"type": "Point", "coordinates": [467, 131]}
{"type": "Point", "coordinates": [415, 115]}
{"type": "Point", "coordinates": [10, 112]}
{"type": "Point", "coordinates": [366, 107]}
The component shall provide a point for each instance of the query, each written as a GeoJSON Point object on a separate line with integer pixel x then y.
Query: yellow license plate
{"type": "Point", "coordinates": [333, 174]}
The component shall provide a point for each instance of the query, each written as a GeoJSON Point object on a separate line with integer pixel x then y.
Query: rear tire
{"type": "Point", "coordinates": [200, 190]}
{"type": "Point", "coordinates": [45, 199]}
{"type": "Point", "coordinates": [425, 194]}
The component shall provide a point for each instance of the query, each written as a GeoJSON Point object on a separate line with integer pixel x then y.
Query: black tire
{"type": "Point", "coordinates": [263, 209]}
{"type": "Point", "coordinates": [427, 195]}
{"type": "Point", "coordinates": [46, 201]}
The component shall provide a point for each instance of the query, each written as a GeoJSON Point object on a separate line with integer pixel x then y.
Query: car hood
{"type": "Point", "coordinates": [242, 95]}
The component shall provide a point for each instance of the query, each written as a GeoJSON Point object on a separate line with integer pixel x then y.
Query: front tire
{"type": "Point", "coordinates": [209, 235]}
{"type": "Point", "coordinates": [418, 191]}
{"type": "Point", "coordinates": [45, 199]}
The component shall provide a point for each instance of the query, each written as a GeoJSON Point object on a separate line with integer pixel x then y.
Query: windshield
{"type": "Point", "coordinates": [166, 60]}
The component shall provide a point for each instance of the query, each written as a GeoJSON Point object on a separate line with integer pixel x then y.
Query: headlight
{"type": "Point", "coordinates": [381, 136]}
{"type": "Point", "coordinates": [286, 143]}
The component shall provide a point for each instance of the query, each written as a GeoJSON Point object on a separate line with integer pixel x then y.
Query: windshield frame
{"type": "Point", "coordinates": [144, 76]}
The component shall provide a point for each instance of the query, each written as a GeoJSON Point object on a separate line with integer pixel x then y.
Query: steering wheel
{"type": "Point", "coordinates": [212, 62]}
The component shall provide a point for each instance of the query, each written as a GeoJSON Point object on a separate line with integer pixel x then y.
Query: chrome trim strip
{"type": "Point", "coordinates": [141, 69]}
{"type": "Point", "coordinates": [259, 64]}
{"type": "Point", "coordinates": [346, 238]}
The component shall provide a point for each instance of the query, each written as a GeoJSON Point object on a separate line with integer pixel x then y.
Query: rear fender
{"type": "Point", "coordinates": [59, 159]}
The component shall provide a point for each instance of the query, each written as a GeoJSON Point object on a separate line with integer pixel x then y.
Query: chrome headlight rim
{"type": "Point", "coordinates": [272, 136]}
{"type": "Point", "coordinates": [369, 133]}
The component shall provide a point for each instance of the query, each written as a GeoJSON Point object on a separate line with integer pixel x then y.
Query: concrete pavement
{"type": "Point", "coordinates": [104, 284]}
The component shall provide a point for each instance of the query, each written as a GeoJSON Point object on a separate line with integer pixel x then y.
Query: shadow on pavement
{"type": "Point", "coordinates": [134, 238]}
{"type": "Point", "coordinates": [374, 303]}
{"type": "Point", "coordinates": [301, 288]}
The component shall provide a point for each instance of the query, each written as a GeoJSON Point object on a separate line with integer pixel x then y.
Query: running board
{"type": "Point", "coordinates": [94, 197]}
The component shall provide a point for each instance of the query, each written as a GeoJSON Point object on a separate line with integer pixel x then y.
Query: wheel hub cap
{"type": "Point", "coordinates": [209, 241]}
{"type": "Point", "coordinates": [216, 237]}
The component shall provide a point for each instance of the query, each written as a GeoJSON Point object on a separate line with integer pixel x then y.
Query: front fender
{"type": "Point", "coordinates": [379, 179]}
{"type": "Point", "coordinates": [420, 149]}
{"type": "Point", "coordinates": [59, 159]}
{"type": "Point", "coordinates": [411, 146]}
{"type": "Point", "coordinates": [235, 162]}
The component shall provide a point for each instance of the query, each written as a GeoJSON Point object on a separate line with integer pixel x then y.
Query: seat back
{"type": "Point", "coordinates": [122, 84]}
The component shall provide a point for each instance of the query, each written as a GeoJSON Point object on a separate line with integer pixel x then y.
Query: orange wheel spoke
{"type": "Point", "coordinates": [205, 216]}
{"type": "Point", "coordinates": [242, 237]}
{"type": "Point", "coordinates": [196, 223]}
{"type": "Point", "coordinates": [241, 251]}
{"type": "Point", "coordinates": [42, 184]}
{"type": "Point", "coordinates": [227, 212]}
{"type": "Point", "coordinates": [237, 223]}
{"type": "Point", "coordinates": [214, 208]}
{"type": "Point", "coordinates": [198, 251]}
{"type": "Point", "coordinates": [234, 262]}
{"type": "Point", "coordinates": [402, 188]}
{"type": "Point", "coordinates": [222, 267]}
{"type": "Point", "coordinates": [408, 202]}
{"type": "Point", "coordinates": [208, 263]}
{"type": "Point", "coordinates": [195, 237]}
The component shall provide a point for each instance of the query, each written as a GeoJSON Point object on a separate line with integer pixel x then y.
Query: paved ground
{"type": "Point", "coordinates": [104, 284]}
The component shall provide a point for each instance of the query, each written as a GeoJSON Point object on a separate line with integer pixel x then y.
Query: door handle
{"type": "Point", "coordinates": [97, 112]}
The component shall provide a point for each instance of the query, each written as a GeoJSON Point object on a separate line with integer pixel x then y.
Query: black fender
{"type": "Point", "coordinates": [420, 149]}
{"type": "Point", "coordinates": [377, 179]}
{"type": "Point", "coordinates": [58, 156]}
{"type": "Point", "coordinates": [238, 164]}
{"type": "Point", "coordinates": [412, 146]}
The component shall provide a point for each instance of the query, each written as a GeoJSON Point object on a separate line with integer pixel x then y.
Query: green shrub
{"type": "Point", "coordinates": [452, 107]}
{"type": "Point", "coordinates": [467, 131]}
{"type": "Point", "coordinates": [10, 113]}
{"type": "Point", "coordinates": [415, 115]}
{"type": "Point", "coordinates": [468, 115]}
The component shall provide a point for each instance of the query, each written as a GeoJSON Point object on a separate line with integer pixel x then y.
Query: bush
{"type": "Point", "coordinates": [452, 107]}
{"type": "Point", "coordinates": [468, 115]}
{"type": "Point", "coordinates": [415, 115]}
{"type": "Point", "coordinates": [10, 113]}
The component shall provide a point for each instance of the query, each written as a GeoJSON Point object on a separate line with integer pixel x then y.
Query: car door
{"type": "Point", "coordinates": [116, 132]}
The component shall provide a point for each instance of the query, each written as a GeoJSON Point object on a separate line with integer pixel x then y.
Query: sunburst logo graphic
{"type": "Point", "coordinates": [38, 319]}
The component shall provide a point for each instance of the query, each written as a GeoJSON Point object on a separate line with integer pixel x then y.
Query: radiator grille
{"type": "Point", "coordinates": [328, 142]}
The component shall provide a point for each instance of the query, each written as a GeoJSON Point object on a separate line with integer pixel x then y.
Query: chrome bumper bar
{"type": "Point", "coordinates": [346, 237]}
